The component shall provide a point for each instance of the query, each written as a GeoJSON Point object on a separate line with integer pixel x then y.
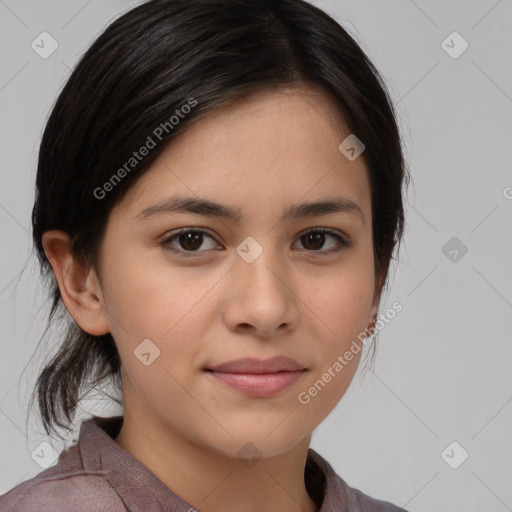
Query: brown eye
{"type": "Point", "coordinates": [188, 240]}
{"type": "Point", "coordinates": [315, 239]}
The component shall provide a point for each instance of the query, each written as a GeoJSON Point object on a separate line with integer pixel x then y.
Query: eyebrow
{"type": "Point", "coordinates": [212, 209]}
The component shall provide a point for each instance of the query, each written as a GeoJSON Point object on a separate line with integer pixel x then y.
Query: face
{"type": "Point", "coordinates": [241, 280]}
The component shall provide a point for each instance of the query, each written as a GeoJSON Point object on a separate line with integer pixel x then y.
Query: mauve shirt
{"type": "Point", "coordinates": [97, 475]}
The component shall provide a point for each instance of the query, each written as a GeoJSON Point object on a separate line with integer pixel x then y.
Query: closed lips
{"type": "Point", "coordinates": [258, 378]}
{"type": "Point", "coordinates": [261, 366]}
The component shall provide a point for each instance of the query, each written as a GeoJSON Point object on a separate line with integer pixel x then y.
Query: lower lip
{"type": "Point", "coordinates": [258, 384]}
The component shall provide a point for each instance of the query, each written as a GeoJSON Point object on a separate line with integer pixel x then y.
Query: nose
{"type": "Point", "coordinates": [262, 299]}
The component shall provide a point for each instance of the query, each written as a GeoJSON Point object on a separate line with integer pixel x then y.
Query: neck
{"type": "Point", "coordinates": [212, 481]}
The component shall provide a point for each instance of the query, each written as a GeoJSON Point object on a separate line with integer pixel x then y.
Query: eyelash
{"type": "Point", "coordinates": [343, 243]}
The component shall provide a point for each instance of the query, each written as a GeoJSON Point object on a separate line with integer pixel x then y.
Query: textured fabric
{"type": "Point", "coordinates": [96, 474]}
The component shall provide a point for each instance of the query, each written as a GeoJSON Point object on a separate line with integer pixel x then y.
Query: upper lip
{"type": "Point", "coordinates": [254, 365]}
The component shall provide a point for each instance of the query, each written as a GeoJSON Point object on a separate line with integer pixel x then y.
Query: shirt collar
{"type": "Point", "coordinates": [141, 490]}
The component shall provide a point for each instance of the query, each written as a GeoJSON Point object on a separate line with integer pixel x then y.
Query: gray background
{"type": "Point", "coordinates": [442, 371]}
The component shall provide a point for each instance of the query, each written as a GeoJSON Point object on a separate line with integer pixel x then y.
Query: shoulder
{"type": "Point", "coordinates": [53, 490]}
{"type": "Point", "coordinates": [360, 501]}
{"type": "Point", "coordinates": [73, 483]}
{"type": "Point", "coordinates": [338, 495]}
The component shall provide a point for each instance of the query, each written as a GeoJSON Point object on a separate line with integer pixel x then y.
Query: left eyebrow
{"type": "Point", "coordinates": [209, 208]}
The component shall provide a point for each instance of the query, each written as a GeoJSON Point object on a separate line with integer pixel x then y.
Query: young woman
{"type": "Point", "coordinates": [218, 198]}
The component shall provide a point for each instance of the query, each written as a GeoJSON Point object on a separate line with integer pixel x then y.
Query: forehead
{"type": "Point", "coordinates": [272, 147]}
{"type": "Point", "coordinates": [281, 115]}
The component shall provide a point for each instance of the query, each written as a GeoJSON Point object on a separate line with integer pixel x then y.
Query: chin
{"type": "Point", "coordinates": [257, 444]}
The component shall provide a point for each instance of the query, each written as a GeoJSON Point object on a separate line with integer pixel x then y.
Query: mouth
{"type": "Point", "coordinates": [261, 366]}
{"type": "Point", "coordinates": [256, 377]}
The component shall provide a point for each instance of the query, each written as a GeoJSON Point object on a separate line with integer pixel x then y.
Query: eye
{"type": "Point", "coordinates": [190, 240]}
{"type": "Point", "coordinates": [314, 239]}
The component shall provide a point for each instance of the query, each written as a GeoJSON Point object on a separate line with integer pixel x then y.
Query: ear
{"type": "Point", "coordinates": [79, 286]}
{"type": "Point", "coordinates": [372, 314]}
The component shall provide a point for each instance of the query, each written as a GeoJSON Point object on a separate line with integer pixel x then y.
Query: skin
{"type": "Point", "coordinates": [262, 154]}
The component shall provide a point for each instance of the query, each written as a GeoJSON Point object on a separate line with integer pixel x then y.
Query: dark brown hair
{"type": "Point", "coordinates": [138, 73]}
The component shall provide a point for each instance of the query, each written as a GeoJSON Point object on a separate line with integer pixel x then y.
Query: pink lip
{"type": "Point", "coordinates": [253, 365]}
{"type": "Point", "coordinates": [256, 377]}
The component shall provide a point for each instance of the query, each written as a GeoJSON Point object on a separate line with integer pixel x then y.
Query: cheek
{"type": "Point", "coordinates": [342, 301]}
{"type": "Point", "coordinates": [329, 381]}
{"type": "Point", "coordinates": [167, 306]}
{"type": "Point", "coordinates": [150, 300]}
{"type": "Point", "coordinates": [161, 389]}
{"type": "Point", "coordinates": [340, 305]}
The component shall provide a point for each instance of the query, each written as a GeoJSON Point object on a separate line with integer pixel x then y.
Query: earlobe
{"type": "Point", "coordinates": [78, 285]}
{"type": "Point", "coordinates": [372, 314]}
